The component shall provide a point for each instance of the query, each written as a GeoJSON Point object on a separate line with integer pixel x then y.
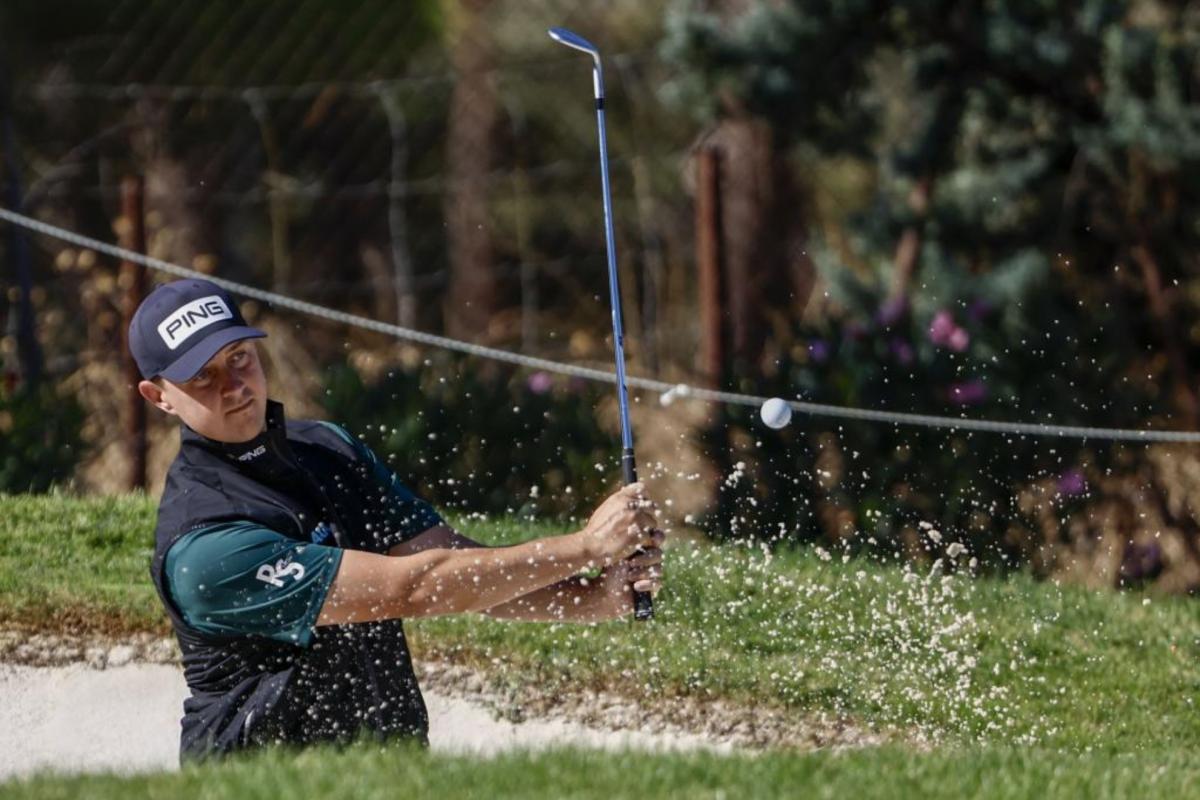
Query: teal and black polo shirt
{"type": "Point", "coordinates": [249, 540]}
{"type": "Point", "coordinates": [241, 578]}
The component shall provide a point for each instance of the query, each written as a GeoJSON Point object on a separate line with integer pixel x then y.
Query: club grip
{"type": "Point", "coordinates": [628, 466]}
{"type": "Point", "coordinates": [643, 606]}
{"type": "Point", "coordinates": [643, 602]}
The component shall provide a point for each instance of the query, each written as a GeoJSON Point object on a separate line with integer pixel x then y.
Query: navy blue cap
{"type": "Point", "coordinates": [181, 325]}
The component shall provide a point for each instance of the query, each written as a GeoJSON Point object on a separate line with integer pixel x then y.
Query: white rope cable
{"type": "Point", "coordinates": [661, 387]}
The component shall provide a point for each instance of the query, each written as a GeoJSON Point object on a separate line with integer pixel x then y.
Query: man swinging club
{"type": "Point", "coordinates": [287, 554]}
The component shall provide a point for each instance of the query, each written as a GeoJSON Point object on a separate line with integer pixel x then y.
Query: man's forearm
{"type": "Point", "coordinates": [576, 599]}
{"type": "Point", "coordinates": [439, 580]}
{"type": "Point", "coordinates": [481, 578]}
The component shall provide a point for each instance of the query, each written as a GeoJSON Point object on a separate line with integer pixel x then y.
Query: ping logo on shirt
{"type": "Point", "coordinates": [250, 455]}
{"type": "Point", "coordinates": [274, 574]}
{"type": "Point", "coordinates": [194, 316]}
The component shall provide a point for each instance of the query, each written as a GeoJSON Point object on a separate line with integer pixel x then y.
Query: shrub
{"type": "Point", "coordinates": [482, 437]}
{"type": "Point", "coordinates": [40, 440]}
{"type": "Point", "coordinates": [962, 348]}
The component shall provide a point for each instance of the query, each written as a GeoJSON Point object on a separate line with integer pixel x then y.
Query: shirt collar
{"type": "Point", "coordinates": [271, 439]}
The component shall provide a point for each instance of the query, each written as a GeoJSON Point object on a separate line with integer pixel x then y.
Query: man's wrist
{"type": "Point", "coordinates": [625, 604]}
{"type": "Point", "coordinates": [615, 597]}
{"type": "Point", "coordinates": [584, 545]}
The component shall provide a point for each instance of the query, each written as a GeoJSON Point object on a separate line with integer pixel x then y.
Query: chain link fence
{"type": "Point", "coordinates": [432, 165]}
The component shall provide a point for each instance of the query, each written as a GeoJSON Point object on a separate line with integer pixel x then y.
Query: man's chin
{"type": "Point", "coordinates": [259, 418]}
{"type": "Point", "coordinates": [245, 424]}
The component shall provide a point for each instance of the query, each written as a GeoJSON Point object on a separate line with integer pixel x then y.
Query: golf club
{"type": "Point", "coordinates": [642, 601]}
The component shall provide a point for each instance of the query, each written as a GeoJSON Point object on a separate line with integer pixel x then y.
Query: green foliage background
{"type": "Point", "coordinates": [40, 442]}
{"type": "Point", "coordinates": [494, 440]}
{"type": "Point", "coordinates": [1058, 145]}
{"type": "Point", "coordinates": [1039, 160]}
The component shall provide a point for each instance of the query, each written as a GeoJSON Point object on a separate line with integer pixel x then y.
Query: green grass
{"type": "Point", "coordinates": [951, 657]}
{"type": "Point", "coordinates": [363, 773]}
{"type": "Point", "coordinates": [78, 564]}
{"type": "Point", "coordinates": [1012, 680]}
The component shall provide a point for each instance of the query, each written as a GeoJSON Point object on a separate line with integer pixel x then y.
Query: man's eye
{"type": "Point", "coordinates": [238, 358]}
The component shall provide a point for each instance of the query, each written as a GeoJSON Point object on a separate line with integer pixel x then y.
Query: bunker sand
{"type": "Point", "coordinates": [77, 718]}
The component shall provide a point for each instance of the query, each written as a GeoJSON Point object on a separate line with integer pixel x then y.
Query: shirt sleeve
{"type": "Point", "coordinates": [407, 515]}
{"type": "Point", "coordinates": [241, 579]}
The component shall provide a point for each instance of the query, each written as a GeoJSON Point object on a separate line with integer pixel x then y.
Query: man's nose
{"type": "Point", "coordinates": [230, 381]}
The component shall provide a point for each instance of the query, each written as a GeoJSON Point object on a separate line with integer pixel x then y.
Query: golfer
{"type": "Point", "coordinates": [287, 554]}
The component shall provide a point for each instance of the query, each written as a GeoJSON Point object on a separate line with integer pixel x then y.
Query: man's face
{"type": "Point", "coordinates": [226, 401]}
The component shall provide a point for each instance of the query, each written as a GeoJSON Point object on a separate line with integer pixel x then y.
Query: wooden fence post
{"type": "Point", "coordinates": [714, 323]}
{"type": "Point", "coordinates": [713, 327]}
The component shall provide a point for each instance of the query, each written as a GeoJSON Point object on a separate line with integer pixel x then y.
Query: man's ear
{"type": "Point", "coordinates": [154, 394]}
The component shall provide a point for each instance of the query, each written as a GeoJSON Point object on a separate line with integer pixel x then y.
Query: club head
{"type": "Point", "coordinates": [572, 39]}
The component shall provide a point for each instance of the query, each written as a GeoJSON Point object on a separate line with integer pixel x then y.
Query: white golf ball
{"type": "Point", "coordinates": [776, 413]}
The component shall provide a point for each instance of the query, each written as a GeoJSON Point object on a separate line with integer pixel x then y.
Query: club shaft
{"type": "Point", "coordinates": [614, 289]}
{"type": "Point", "coordinates": [643, 603]}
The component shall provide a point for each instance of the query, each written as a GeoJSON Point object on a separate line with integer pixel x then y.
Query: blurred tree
{"type": "Point", "coordinates": [1065, 132]}
{"type": "Point", "coordinates": [471, 301]}
{"type": "Point", "coordinates": [741, 75]}
{"type": "Point", "coordinates": [1038, 160]}
{"type": "Point", "coordinates": [28, 33]}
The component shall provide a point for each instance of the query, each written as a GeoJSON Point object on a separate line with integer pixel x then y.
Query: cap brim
{"type": "Point", "coordinates": [191, 362]}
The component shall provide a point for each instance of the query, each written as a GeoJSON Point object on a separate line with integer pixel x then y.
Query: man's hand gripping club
{"type": "Point", "coordinates": [442, 580]}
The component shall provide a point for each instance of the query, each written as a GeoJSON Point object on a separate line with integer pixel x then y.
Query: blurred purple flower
{"type": "Point", "coordinates": [968, 393]}
{"type": "Point", "coordinates": [1072, 483]}
{"type": "Point", "coordinates": [941, 327]}
{"type": "Point", "coordinates": [945, 332]}
{"type": "Point", "coordinates": [901, 350]}
{"type": "Point", "coordinates": [540, 382]}
{"type": "Point", "coordinates": [959, 340]}
{"type": "Point", "coordinates": [892, 311]}
{"type": "Point", "coordinates": [818, 350]}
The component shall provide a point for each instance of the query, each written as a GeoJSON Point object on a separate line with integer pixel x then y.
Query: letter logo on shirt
{"type": "Point", "coordinates": [250, 455]}
{"type": "Point", "coordinates": [274, 574]}
{"type": "Point", "coordinates": [194, 316]}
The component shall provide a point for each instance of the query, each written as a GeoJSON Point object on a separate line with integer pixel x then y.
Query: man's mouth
{"type": "Point", "coordinates": [242, 407]}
